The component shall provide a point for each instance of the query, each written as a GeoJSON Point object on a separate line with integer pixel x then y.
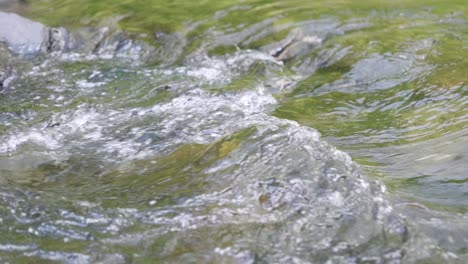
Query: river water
{"type": "Point", "coordinates": [258, 132]}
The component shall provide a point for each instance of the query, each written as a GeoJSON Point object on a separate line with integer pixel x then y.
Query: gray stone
{"type": "Point", "coordinates": [21, 35]}
{"type": "Point", "coordinates": [26, 37]}
{"type": "Point", "coordinates": [58, 40]}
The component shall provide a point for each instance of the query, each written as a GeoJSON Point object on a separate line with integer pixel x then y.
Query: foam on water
{"type": "Point", "coordinates": [87, 124]}
{"type": "Point", "coordinates": [286, 175]}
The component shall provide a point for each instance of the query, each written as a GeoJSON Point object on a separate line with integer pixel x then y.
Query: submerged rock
{"type": "Point", "coordinates": [294, 45]}
{"type": "Point", "coordinates": [116, 44]}
{"type": "Point", "coordinates": [170, 47]}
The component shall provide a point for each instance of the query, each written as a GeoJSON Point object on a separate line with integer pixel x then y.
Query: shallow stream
{"type": "Point", "coordinates": [253, 132]}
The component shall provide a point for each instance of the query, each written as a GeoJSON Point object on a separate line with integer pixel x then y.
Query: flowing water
{"type": "Point", "coordinates": [261, 131]}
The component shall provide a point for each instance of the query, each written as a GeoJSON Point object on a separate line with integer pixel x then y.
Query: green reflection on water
{"type": "Point", "coordinates": [134, 183]}
{"type": "Point", "coordinates": [395, 25]}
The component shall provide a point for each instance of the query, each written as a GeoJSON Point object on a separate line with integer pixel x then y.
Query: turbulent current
{"type": "Point", "coordinates": [291, 137]}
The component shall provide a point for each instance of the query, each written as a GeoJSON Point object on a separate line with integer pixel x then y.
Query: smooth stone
{"type": "Point", "coordinates": [21, 35]}
{"type": "Point", "coordinates": [27, 38]}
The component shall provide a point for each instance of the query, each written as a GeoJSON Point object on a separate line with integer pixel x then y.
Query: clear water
{"type": "Point", "coordinates": [277, 132]}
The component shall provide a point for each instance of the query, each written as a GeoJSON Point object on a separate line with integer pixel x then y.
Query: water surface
{"type": "Point", "coordinates": [284, 131]}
